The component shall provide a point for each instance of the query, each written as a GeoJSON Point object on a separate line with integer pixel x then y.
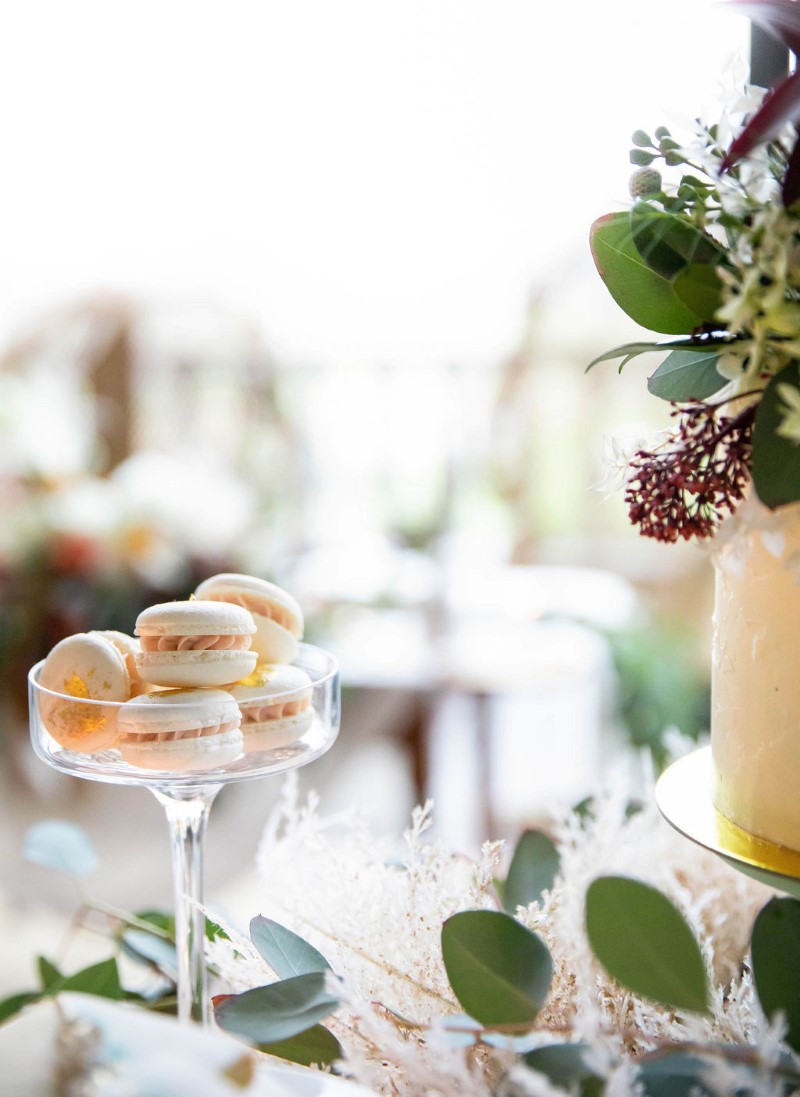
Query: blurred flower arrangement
{"type": "Point", "coordinates": [711, 258]}
{"type": "Point", "coordinates": [101, 518]}
{"type": "Point", "coordinates": [611, 959]}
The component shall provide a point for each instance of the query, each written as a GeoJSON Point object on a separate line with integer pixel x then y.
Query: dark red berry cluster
{"type": "Point", "coordinates": [688, 484]}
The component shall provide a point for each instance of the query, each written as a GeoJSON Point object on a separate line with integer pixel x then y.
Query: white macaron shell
{"type": "Point", "coordinates": [128, 647]}
{"type": "Point", "coordinates": [83, 668]}
{"type": "Point", "coordinates": [194, 617]}
{"type": "Point", "coordinates": [175, 716]}
{"type": "Point", "coordinates": [272, 734]}
{"type": "Point", "coordinates": [235, 585]}
{"type": "Point", "coordinates": [269, 680]}
{"type": "Point", "coordinates": [192, 669]}
{"type": "Point", "coordinates": [272, 642]}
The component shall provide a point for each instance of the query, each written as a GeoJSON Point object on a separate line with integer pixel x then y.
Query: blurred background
{"type": "Point", "coordinates": [303, 290]}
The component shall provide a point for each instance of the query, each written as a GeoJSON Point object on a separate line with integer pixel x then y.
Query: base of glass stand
{"type": "Point", "coordinates": [683, 795]}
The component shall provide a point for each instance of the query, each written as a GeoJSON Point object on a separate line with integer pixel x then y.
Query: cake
{"type": "Point", "coordinates": [755, 718]}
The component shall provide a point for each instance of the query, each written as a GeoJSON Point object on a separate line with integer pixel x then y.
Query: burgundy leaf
{"type": "Point", "coordinates": [781, 106]}
{"type": "Point", "coordinates": [779, 17]}
{"type": "Point", "coordinates": [790, 191]}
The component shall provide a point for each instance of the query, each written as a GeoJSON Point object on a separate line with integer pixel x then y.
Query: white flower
{"type": "Point", "coordinates": [617, 456]}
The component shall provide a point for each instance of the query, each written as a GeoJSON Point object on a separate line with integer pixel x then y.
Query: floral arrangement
{"type": "Point", "coordinates": [709, 255]}
{"type": "Point", "coordinates": [609, 958]}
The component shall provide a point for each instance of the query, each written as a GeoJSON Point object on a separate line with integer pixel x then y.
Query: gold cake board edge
{"type": "Point", "coordinates": [683, 796]}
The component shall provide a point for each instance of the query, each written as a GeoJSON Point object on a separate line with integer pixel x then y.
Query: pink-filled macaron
{"type": "Point", "coordinates": [276, 706]}
{"type": "Point", "coordinates": [195, 643]}
{"type": "Point", "coordinates": [180, 730]}
{"type": "Point", "coordinates": [278, 616]}
{"type": "Point", "coordinates": [82, 669]}
{"type": "Point", "coordinates": [128, 647]}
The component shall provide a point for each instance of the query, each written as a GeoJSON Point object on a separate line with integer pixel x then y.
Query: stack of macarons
{"type": "Point", "coordinates": [201, 682]}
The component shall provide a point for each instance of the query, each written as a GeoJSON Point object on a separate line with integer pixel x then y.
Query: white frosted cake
{"type": "Point", "coordinates": [755, 718]}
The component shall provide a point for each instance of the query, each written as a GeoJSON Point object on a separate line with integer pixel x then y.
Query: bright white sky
{"type": "Point", "coordinates": [374, 180]}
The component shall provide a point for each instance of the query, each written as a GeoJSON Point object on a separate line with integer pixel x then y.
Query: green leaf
{"type": "Point", "coordinates": [647, 297]}
{"type": "Point", "coordinates": [10, 1007]}
{"type": "Point", "coordinates": [286, 952]}
{"type": "Point", "coordinates": [499, 970]}
{"type": "Point", "coordinates": [60, 845]}
{"type": "Point", "coordinates": [695, 344]}
{"type": "Point", "coordinates": [776, 460]}
{"type": "Point", "coordinates": [676, 1075]}
{"type": "Point", "coordinates": [626, 352]}
{"type": "Point", "coordinates": [49, 974]}
{"type": "Point", "coordinates": [564, 1065]}
{"type": "Point", "coordinates": [316, 1046]}
{"type": "Point", "coordinates": [534, 866]}
{"type": "Point", "coordinates": [699, 287]}
{"type": "Point", "coordinates": [214, 931]}
{"type": "Point", "coordinates": [147, 948]}
{"type": "Point", "coordinates": [100, 979]}
{"type": "Point", "coordinates": [279, 1011]}
{"type": "Point", "coordinates": [687, 375]}
{"type": "Point", "coordinates": [644, 943]}
{"type": "Point", "coordinates": [776, 962]}
{"type": "Point", "coordinates": [668, 242]}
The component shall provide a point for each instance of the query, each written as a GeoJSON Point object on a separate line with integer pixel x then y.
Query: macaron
{"type": "Point", "coordinates": [85, 668]}
{"type": "Point", "coordinates": [275, 702]}
{"type": "Point", "coordinates": [180, 729]}
{"type": "Point", "coordinates": [195, 643]}
{"type": "Point", "coordinates": [278, 616]}
{"type": "Point", "coordinates": [128, 647]}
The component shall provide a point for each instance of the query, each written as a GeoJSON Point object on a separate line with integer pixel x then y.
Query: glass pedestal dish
{"type": "Point", "coordinates": [187, 794]}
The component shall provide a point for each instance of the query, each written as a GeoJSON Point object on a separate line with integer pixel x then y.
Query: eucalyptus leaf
{"type": "Point", "coordinates": [143, 946]}
{"type": "Point", "coordinates": [669, 243]}
{"type": "Point", "coordinates": [60, 845]}
{"type": "Point", "coordinates": [533, 869]}
{"type": "Point", "coordinates": [279, 1011]}
{"type": "Point", "coordinates": [776, 460]}
{"type": "Point", "coordinates": [287, 953]}
{"type": "Point", "coordinates": [460, 1030]}
{"type": "Point", "coordinates": [649, 298]}
{"type": "Point", "coordinates": [677, 1075]}
{"type": "Point", "coordinates": [499, 970]}
{"type": "Point", "coordinates": [687, 375]}
{"type": "Point", "coordinates": [697, 344]}
{"type": "Point", "coordinates": [565, 1066]}
{"type": "Point", "coordinates": [626, 352]}
{"type": "Point", "coordinates": [775, 950]}
{"type": "Point", "coordinates": [10, 1007]}
{"type": "Point", "coordinates": [644, 943]}
{"type": "Point", "coordinates": [316, 1046]}
{"type": "Point", "coordinates": [700, 288]}
{"type": "Point", "coordinates": [507, 1042]}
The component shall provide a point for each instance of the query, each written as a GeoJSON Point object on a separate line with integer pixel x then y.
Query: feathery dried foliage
{"type": "Point", "coordinates": [377, 917]}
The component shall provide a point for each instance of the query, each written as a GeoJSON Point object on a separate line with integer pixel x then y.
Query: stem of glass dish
{"type": "Point", "coordinates": [187, 814]}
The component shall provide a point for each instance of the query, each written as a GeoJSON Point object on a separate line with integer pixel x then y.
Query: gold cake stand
{"type": "Point", "coordinates": [683, 795]}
